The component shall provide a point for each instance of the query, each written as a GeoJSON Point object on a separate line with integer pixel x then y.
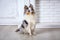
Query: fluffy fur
{"type": "Point", "coordinates": [29, 24]}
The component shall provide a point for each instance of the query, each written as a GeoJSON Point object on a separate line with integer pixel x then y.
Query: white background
{"type": "Point", "coordinates": [11, 11]}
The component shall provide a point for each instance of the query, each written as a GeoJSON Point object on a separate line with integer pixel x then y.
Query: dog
{"type": "Point", "coordinates": [29, 21]}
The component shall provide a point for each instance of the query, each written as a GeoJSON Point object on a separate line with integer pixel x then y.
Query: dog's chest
{"type": "Point", "coordinates": [29, 18]}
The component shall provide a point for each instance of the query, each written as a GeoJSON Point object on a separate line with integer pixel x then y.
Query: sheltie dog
{"type": "Point", "coordinates": [28, 24]}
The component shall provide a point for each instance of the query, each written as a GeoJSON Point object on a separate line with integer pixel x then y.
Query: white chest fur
{"type": "Point", "coordinates": [29, 18]}
{"type": "Point", "coordinates": [31, 23]}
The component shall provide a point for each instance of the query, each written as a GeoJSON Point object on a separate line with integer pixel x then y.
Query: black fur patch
{"type": "Point", "coordinates": [24, 24]}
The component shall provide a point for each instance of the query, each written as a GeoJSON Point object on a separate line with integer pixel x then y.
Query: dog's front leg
{"type": "Point", "coordinates": [29, 30]}
{"type": "Point", "coordinates": [33, 27]}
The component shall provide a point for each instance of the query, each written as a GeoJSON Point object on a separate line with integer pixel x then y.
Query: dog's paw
{"type": "Point", "coordinates": [17, 30]}
{"type": "Point", "coordinates": [30, 34]}
{"type": "Point", "coordinates": [33, 33]}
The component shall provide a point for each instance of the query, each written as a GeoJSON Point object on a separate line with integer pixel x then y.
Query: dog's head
{"type": "Point", "coordinates": [28, 10]}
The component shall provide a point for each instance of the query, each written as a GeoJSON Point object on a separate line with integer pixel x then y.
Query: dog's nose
{"type": "Point", "coordinates": [28, 10]}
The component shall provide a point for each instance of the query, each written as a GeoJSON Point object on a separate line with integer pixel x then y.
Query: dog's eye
{"type": "Point", "coordinates": [27, 8]}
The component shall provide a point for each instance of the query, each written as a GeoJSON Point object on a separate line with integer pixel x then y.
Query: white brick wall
{"type": "Point", "coordinates": [48, 10]}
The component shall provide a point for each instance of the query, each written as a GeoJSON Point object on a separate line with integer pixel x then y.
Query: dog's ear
{"type": "Point", "coordinates": [31, 6]}
{"type": "Point", "coordinates": [25, 8]}
{"type": "Point", "coordinates": [32, 9]}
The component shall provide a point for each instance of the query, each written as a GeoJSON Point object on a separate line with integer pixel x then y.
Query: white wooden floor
{"type": "Point", "coordinates": [8, 33]}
